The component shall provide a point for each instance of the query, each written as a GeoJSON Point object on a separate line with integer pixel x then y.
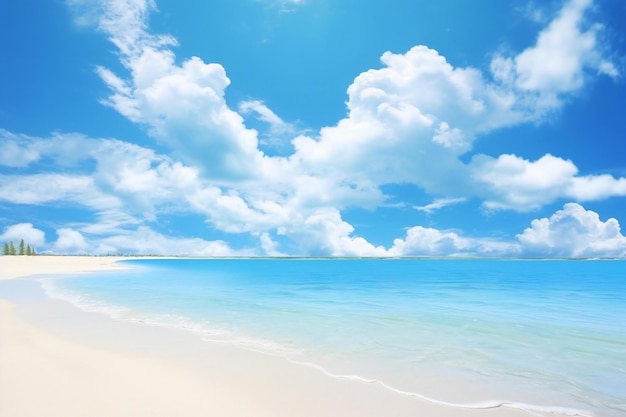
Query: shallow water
{"type": "Point", "coordinates": [542, 335]}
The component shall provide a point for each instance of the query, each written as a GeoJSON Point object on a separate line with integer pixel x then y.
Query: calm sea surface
{"type": "Point", "coordinates": [541, 335]}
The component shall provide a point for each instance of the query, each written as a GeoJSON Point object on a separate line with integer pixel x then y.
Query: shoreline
{"type": "Point", "coordinates": [78, 364]}
{"type": "Point", "coordinates": [12, 267]}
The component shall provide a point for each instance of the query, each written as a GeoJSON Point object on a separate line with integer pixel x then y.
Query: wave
{"type": "Point", "coordinates": [482, 405]}
{"type": "Point", "coordinates": [206, 332]}
{"type": "Point", "coordinates": [212, 334]}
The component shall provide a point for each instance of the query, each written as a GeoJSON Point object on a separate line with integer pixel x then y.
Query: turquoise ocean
{"type": "Point", "coordinates": [548, 336]}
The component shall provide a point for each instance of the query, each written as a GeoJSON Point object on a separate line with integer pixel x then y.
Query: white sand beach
{"type": "Point", "coordinates": [56, 360]}
{"type": "Point", "coordinates": [22, 266]}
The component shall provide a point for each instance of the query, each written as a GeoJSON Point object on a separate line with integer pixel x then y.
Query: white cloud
{"type": "Point", "coordinates": [557, 61]}
{"type": "Point", "coordinates": [139, 241]}
{"type": "Point", "coordinates": [269, 246]}
{"type": "Point", "coordinates": [277, 137]}
{"type": "Point", "coordinates": [566, 53]}
{"type": "Point", "coordinates": [325, 233]}
{"type": "Point", "coordinates": [520, 184]}
{"type": "Point", "coordinates": [573, 232]}
{"type": "Point", "coordinates": [230, 212]}
{"type": "Point", "coordinates": [145, 241]}
{"type": "Point", "coordinates": [46, 188]}
{"type": "Point", "coordinates": [14, 153]}
{"type": "Point", "coordinates": [70, 242]}
{"type": "Point", "coordinates": [421, 241]}
{"type": "Point", "coordinates": [126, 177]}
{"type": "Point", "coordinates": [31, 235]}
{"type": "Point", "coordinates": [109, 222]}
{"type": "Point", "coordinates": [65, 150]}
{"type": "Point", "coordinates": [608, 68]}
{"type": "Point", "coordinates": [425, 241]}
{"type": "Point", "coordinates": [182, 106]}
{"type": "Point", "coordinates": [143, 180]}
{"type": "Point", "coordinates": [569, 233]}
{"type": "Point", "coordinates": [398, 130]}
{"type": "Point", "coordinates": [439, 204]}
{"type": "Point", "coordinates": [596, 187]}
{"type": "Point", "coordinates": [129, 185]}
{"type": "Point", "coordinates": [263, 113]}
{"type": "Point", "coordinates": [409, 121]}
{"type": "Point", "coordinates": [511, 182]}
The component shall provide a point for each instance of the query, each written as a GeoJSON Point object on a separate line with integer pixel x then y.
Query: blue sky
{"type": "Point", "coordinates": [314, 127]}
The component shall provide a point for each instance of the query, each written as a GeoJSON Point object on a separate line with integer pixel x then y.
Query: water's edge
{"type": "Point", "coordinates": [270, 347]}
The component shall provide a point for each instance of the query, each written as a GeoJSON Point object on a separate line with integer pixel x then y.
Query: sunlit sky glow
{"type": "Point", "coordinates": [314, 127]}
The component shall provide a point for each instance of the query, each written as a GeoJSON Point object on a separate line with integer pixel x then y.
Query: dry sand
{"type": "Point", "coordinates": [71, 363]}
{"type": "Point", "coordinates": [22, 266]}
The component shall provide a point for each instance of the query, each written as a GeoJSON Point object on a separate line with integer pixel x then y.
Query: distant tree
{"type": "Point", "coordinates": [22, 250]}
{"type": "Point", "coordinates": [5, 249]}
{"type": "Point", "coordinates": [12, 250]}
{"type": "Point", "coordinates": [28, 250]}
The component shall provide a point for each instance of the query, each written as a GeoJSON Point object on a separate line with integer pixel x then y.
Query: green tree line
{"type": "Point", "coordinates": [22, 249]}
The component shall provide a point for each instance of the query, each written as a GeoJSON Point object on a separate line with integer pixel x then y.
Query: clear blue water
{"type": "Point", "coordinates": [547, 333]}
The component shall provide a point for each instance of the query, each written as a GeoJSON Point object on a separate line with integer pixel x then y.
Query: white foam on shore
{"type": "Point", "coordinates": [482, 405]}
{"type": "Point", "coordinates": [206, 332]}
{"type": "Point", "coordinates": [215, 335]}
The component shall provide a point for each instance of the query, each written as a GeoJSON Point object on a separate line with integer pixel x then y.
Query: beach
{"type": "Point", "coordinates": [56, 360]}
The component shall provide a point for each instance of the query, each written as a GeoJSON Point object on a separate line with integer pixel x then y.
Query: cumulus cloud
{"type": "Point", "coordinates": [182, 106]}
{"type": "Point", "coordinates": [408, 121]}
{"type": "Point", "coordinates": [129, 185]}
{"type": "Point", "coordinates": [511, 182]}
{"type": "Point", "coordinates": [570, 232]}
{"type": "Point", "coordinates": [573, 232]}
{"type": "Point", "coordinates": [70, 242]}
{"type": "Point", "coordinates": [325, 233]}
{"type": "Point", "coordinates": [422, 241]}
{"type": "Point", "coordinates": [31, 235]}
{"type": "Point", "coordinates": [565, 54]}
{"type": "Point", "coordinates": [596, 187]}
{"type": "Point", "coordinates": [413, 120]}
{"type": "Point", "coordinates": [426, 241]}
{"type": "Point", "coordinates": [144, 180]}
{"type": "Point", "coordinates": [126, 185]}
